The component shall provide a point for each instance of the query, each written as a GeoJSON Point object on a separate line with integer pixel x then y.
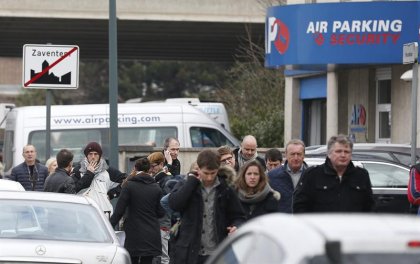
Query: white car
{"type": "Point", "coordinates": [38, 227]}
{"type": "Point", "coordinates": [323, 238]}
{"type": "Point", "coordinates": [8, 185]}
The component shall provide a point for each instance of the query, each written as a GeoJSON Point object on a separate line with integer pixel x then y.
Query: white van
{"type": "Point", "coordinates": [73, 126]}
{"type": "Point", "coordinates": [214, 109]}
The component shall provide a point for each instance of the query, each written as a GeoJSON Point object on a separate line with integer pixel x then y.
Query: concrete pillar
{"type": "Point", "coordinates": [332, 104]}
{"type": "Point", "coordinates": [292, 110]}
{"type": "Point", "coordinates": [417, 109]}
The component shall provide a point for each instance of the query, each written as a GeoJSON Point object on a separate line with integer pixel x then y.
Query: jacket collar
{"type": "Point", "coordinates": [329, 169]}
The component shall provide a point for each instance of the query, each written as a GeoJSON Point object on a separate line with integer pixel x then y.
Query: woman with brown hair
{"type": "Point", "coordinates": [254, 192]}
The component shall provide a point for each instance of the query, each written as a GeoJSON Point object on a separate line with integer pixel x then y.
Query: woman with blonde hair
{"type": "Point", "coordinates": [254, 192]}
{"type": "Point", "coordinates": [51, 164]}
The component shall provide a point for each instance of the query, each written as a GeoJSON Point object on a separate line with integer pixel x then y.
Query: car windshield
{"type": "Point", "coordinates": [371, 258]}
{"type": "Point", "coordinates": [29, 219]}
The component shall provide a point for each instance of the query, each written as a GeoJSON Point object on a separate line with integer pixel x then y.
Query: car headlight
{"type": "Point", "coordinates": [121, 256]}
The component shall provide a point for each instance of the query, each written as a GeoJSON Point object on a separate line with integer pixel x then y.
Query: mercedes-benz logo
{"type": "Point", "coordinates": [40, 250]}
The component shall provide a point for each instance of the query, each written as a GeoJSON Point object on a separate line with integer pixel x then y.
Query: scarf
{"type": "Point", "coordinates": [254, 198]}
{"type": "Point", "coordinates": [102, 166]}
{"type": "Point", "coordinates": [242, 160]}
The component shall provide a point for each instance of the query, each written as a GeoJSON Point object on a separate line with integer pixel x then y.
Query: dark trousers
{"type": "Point", "coordinates": [202, 259]}
{"type": "Point", "coordinates": [143, 260]}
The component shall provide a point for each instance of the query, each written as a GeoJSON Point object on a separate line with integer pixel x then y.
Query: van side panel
{"type": "Point", "coordinates": [73, 126]}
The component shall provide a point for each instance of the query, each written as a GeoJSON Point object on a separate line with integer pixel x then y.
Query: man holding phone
{"type": "Point", "coordinates": [171, 151]}
{"type": "Point", "coordinates": [210, 211]}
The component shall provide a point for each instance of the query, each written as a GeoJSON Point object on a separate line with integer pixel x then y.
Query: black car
{"type": "Point", "coordinates": [400, 153]}
{"type": "Point", "coordinates": [389, 183]}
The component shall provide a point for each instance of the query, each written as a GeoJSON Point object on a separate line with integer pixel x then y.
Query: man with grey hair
{"type": "Point", "coordinates": [336, 185]}
{"type": "Point", "coordinates": [286, 178]}
{"type": "Point", "coordinates": [247, 152]}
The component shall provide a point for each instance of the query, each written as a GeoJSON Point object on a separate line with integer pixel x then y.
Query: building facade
{"type": "Point", "coordinates": [343, 63]}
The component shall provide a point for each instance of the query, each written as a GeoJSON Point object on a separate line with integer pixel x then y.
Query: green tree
{"type": "Point", "coordinates": [254, 98]}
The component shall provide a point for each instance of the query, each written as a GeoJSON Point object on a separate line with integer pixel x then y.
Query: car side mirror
{"type": "Point", "coordinates": [121, 237]}
{"type": "Point", "coordinates": [333, 251]}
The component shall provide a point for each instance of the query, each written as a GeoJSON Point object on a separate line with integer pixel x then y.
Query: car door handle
{"type": "Point", "coordinates": [385, 199]}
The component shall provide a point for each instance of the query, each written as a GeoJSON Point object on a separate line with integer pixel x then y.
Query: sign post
{"type": "Point", "coordinates": [410, 56]}
{"type": "Point", "coordinates": [50, 67]}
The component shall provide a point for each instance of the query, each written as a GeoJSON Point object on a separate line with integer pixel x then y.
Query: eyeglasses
{"type": "Point", "coordinates": [228, 159]}
{"type": "Point", "coordinates": [154, 165]}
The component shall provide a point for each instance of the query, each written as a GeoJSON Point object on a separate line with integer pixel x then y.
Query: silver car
{"type": "Point", "coordinates": [389, 183]}
{"type": "Point", "coordinates": [37, 227]}
{"type": "Point", "coordinates": [345, 238]}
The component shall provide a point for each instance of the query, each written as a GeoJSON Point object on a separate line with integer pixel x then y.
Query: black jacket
{"type": "Point", "coordinates": [236, 153]}
{"type": "Point", "coordinates": [187, 199]}
{"type": "Point", "coordinates": [281, 181]}
{"type": "Point", "coordinates": [322, 191]}
{"type": "Point", "coordinates": [21, 173]}
{"type": "Point", "coordinates": [266, 206]}
{"type": "Point", "coordinates": [60, 182]}
{"type": "Point", "coordinates": [174, 168]}
{"type": "Point", "coordinates": [141, 195]}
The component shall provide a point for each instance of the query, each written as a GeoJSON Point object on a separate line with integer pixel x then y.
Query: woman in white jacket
{"type": "Point", "coordinates": [101, 183]}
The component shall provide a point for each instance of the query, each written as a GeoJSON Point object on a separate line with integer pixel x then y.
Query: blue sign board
{"type": "Point", "coordinates": [340, 33]}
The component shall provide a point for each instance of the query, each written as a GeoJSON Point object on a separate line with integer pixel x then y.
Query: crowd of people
{"type": "Point", "coordinates": [174, 218]}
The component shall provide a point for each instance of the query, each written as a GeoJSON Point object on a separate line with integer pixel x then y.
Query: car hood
{"type": "Point", "coordinates": [49, 251]}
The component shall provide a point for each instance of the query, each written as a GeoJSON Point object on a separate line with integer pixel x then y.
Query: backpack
{"type": "Point", "coordinates": [413, 190]}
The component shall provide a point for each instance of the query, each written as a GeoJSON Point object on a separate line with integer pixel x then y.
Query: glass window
{"type": "Point", "coordinates": [73, 140]}
{"type": "Point", "coordinates": [384, 125]}
{"type": "Point", "coordinates": [271, 252]}
{"type": "Point", "coordinates": [208, 138]}
{"type": "Point", "coordinates": [384, 91]}
{"type": "Point", "coordinates": [386, 175]}
{"type": "Point", "coordinates": [371, 258]}
{"type": "Point", "coordinates": [236, 251]}
{"type": "Point", "coordinates": [52, 221]}
{"type": "Point", "coordinates": [76, 139]}
{"type": "Point", "coordinates": [149, 136]}
{"type": "Point", "coordinates": [251, 248]}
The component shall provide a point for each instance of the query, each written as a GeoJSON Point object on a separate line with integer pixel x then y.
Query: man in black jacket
{"type": "Point", "coordinates": [247, 152]}
{"type": "Point", "coordinates": [60, 180]}
{"type": "Point", "coordinates": [210, 211]}
{"type": "Point", "coordinates": [171, 151]}
{"type": "Point", "coordinates": [337, 185]}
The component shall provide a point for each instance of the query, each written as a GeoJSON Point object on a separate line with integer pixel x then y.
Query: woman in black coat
{"type": "Point", "coordinates": [141, 195]}
{"type": "Point", "coordinates": [254, 192]}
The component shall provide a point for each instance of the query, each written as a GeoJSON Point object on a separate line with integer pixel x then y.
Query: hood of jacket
{"type": "Point", "coordinates": [228, 173]}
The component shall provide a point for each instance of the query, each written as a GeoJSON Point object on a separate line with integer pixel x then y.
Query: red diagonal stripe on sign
{"type": "Point", "coordinates": [36, 77]}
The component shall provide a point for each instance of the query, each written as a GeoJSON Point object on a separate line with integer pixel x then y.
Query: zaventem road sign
{"type": "Point", "coordinates": [50, 66]}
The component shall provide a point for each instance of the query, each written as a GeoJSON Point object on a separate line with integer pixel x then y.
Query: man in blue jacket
{"type": "Point", "coordinates": [30, 173]}
{"type": "Point", "coordinates": [286, 178]}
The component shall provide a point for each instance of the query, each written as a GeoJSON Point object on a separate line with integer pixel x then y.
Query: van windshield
{"type": "Point", "coordinates": [204, 137]}
{"type": "Point", "coordinates": [76, 139]}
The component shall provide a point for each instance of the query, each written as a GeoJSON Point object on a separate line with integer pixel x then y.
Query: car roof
{"type": "Point", "coordinates": [403, 148]}
{"type": "Point", "coordinates": [356, 232]}
{"type": "Point", "coordinates": [44, 196]}
{"type": "Point", "coordinates": [8, 185]}
{"type": "Point", "coordinates": [356, 159]}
